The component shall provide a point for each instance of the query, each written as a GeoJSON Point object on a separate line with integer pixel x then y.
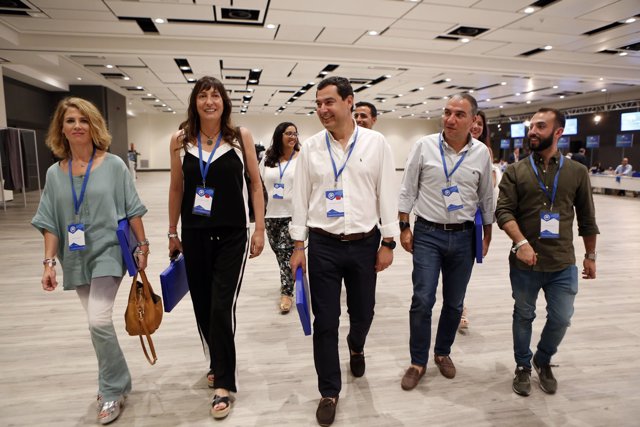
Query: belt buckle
{"type": "Point", "coordinates": [343, 237]}
{"type": "Point", "coordinates": [446, 227]}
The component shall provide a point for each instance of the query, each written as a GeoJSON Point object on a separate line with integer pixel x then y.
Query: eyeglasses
{"type": "Point", "coordinates": [290, 134]}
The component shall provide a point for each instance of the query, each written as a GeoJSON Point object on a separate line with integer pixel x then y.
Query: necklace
{"type": "Point", "coordinates": [209, 138]}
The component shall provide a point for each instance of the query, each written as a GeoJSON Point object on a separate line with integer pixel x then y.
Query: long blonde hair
{"type": "Point", "coordinates": [56, 140]}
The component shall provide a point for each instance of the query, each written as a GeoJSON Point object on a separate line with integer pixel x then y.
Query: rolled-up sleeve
{"type": "Point", "coordinates": [410, 179]}
{"type": "Point", "coordinates": [585, 209]}
{"type": "Point", "coordinates": [387, 199]}
{"type": "Point", "coordinates": [508, 197]}
{"type": "Point", "coordinates": [485, 191]}
{"type": "Point", "coordinates": [301, 193]}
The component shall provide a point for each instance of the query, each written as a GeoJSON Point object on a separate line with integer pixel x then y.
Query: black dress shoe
{"type": "Point", "coordinates": [356, 362]}
{"type": "Point", "coordinates": [326, 412]}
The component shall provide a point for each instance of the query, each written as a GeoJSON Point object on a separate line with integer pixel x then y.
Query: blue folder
{"type": "Point", "coordinates": [128, 245]}
{"type": "Point", "coordinates": [174, 283]}
{"type": "Point", "coordinates": [303, 302]}
{"type": "Point", "coordinates": [478, 237]}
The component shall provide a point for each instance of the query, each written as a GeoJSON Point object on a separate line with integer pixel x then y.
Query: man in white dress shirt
{"type": "Point", "coordinates": [446, 179]}
{"type": "Point", "coordinates": [344, 184]}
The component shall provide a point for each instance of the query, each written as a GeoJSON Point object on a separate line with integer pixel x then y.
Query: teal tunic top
{"type": "Point", "coordinates": [110, 196]}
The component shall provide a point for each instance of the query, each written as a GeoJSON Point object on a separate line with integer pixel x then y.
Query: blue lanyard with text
{"type": "Point", "coordinates": [78, 201]}
{"type": "Point", "coordinates": [336, 172]}
{"type": "Point", "coordinates": [204, 170]}
{"type": "Point", "coordinates": [444, 163]}
{"type": "Point", "coordinates": [552, 196]}
{"type": "Point", "coordinates": [282, 171]}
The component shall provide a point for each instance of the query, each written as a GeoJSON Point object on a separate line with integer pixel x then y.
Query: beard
{"type": "Point", "coordinates": [543, 143]}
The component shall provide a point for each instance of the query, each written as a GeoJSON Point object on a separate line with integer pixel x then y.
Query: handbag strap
{"type": "Point", "coordinates": [150, 342]}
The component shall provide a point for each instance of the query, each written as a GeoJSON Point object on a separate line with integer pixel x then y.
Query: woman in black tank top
{"type": "Point", "coordinates": [208, 193]}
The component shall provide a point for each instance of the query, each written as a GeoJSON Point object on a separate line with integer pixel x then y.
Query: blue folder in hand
{"type": "Point", "coordinates": [478, 237]}
{"type": "Point", "coordinates": [174, 283]}
{"type": "Point", "coordinates": [128, 245]}
{"type": "Point", "coordinates": [303, 302]}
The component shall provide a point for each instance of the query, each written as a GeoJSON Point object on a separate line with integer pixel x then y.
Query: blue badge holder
{"type": "Point", "coordinates": [477, 222]}
{"type": "Point", "coordinates": [128, 245]}
{"type": "Point", "coordinates": [303, 302]}
{"type": "Point", "coordinates": [174, 283]}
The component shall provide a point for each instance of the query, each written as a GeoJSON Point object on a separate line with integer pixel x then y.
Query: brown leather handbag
{"type": "Point", "coordinates": [144, 313]}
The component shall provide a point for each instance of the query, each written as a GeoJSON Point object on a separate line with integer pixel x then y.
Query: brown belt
{"type": "Point", "coordinates": [447, 227]}
{"type": "Point", "coordinates": [344, 237]}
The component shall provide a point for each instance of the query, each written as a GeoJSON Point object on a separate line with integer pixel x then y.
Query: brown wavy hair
{"type": "Point", "coordinates": [56, 140]}
{"type": "Point", "coordinates": [191, 126]}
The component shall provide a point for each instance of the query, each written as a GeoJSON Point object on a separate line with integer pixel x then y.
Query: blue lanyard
{"type": "Point", "coordinates": [444, 163]}
{"type": "Point", "coordinates": [204, 170]}
{"type": "Point", "coordinates": [282, 171]}
{"type": "Point", "coordinates": [336, 172]}
{"type": "Point", "coordinates": [551, 197]}
{"type": "Point", "coordinates": [77, 202]}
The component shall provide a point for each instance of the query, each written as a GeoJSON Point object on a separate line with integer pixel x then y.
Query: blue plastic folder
{"type": "Point", "coordinates": [303, 301]}
{"type": "Point", "coordinates": [478, 237]}
{"type": "Point", "coordinates": [128, 245]}
{"type": "Point", "coordinates": [174, 283]}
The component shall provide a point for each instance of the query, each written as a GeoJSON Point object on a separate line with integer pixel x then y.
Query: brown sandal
{"type": "Point", "coordinates": [285, 304]}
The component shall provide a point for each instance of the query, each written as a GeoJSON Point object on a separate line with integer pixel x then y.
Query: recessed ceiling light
{"type": "Point", "coordinates": [271, 26]}
{"type": "Point", "coordinates": [471, 90]}
{"type": "Point", "coordinates": [603, 90]}
{"type": "Point", "coordinates": [623, 54]}
{"type": "Point", "coordinates": [185, 67]}
{"type": "Point", "coordinates": [139, 87]}
{"type": "Point", "coordinates": [164, 105]}
{"type": "Point", "coordinates": [159, 20]}
{"type": "Point", "coordinates": [256, 70]}
{"type": "Point", "coordinates": [488, 99]}
{"type": "Point", "coordinates": [601, 78]}
{"type": "Point", "coordinates": [126, 78]}
{"type": "Point", "coordinates": [373, 33]}
{"type": "Point", "coordinates": [399, 95]}
{"type": "Point", "coordinates": [78, 78]}
{"type": "Point", "coordinates": [447, 79]}
{"type": "Point", "coordinates": [109, 66]}
{"type": "Point", "coordinates": [421, 88]}
{"type": "Point", "coordinates": [502, 106]}
{"type": "Point", "coordinates": [464, 40]}
{"type": "Point", "coordinates": [548, 47]}
{"type": "Point", "coordinates": [528, 102]}
{"type": "Point", "coordinates": [149, 94]}
{"type": "Point", "coordinates": [628, 21]}
{"type": "Point", "coordinates": [517, 93]}
{"type": "Point", "coordinates": [157, 100]}
{"type": "Point", "coordinates": [555, 86]}
{"type": "Point", "coordinates": [503, 83]}
{"type": "Point", "coordinates": [597, 118]}
{"type": "Point", "coordinates": [253, 81]}
{"type": "Point", "coordinates": [529, 9]}
{"type": "Point", "coordinates": [387, 76]}
{"type": "Point", "coordinates": [445, 97]}
{"type": "Point", "coordinates": [561, 96]}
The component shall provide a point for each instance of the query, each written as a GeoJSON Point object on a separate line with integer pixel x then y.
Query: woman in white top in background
{"type": "Point", "coordinates": [480, 131]}
{"type": "Point", "coordinates": [277, 170]}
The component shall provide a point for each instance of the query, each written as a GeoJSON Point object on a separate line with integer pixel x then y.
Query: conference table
{"type": "Point", "coordinates": [615, 182]}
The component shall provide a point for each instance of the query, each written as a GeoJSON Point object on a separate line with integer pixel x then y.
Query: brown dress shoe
{"type": "Point", "coordinates": [411, 378]}
{"type": "Point", "coordinates": [447, 369]}
{"type": "Point", "coordinates": [326, 412]}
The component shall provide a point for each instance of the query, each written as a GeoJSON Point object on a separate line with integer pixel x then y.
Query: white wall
{"type": "Point", "coordinates": [151, 133]}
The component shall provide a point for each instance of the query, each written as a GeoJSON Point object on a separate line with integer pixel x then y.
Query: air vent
{"type": "Point", "coordinates": [543, 3]}
{"type": "Point", "coordinates": [601, 29]}
{"type": "Point", "coordinates": [608, 51]}
{"type": "Point", "coordinates": [532, 52]}
{"type": "Point", "coordinates": [234, 77]}
{"type": "Point", "coordinates": [146, 24]}
{"type": "Point", "coordinates": [635, 46]}
{"type": "Point", "coordinates": [240, 14]}
{"type": "Point", "coordinates": [113, 75]}
{"type": "Point", "coordinates": [463, 31]}
{"type": "Point", "coordinates": [448, 38]}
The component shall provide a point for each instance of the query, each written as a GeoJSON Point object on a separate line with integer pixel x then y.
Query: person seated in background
{"type": "Point", "coordinates": [623, 169]}
{"type": "Point", "coordinates": [596, 168]}
{"type": "Point", "coordinates": [515, 156]}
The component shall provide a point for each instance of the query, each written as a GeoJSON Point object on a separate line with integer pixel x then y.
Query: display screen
{"type": "Point", "coordinates": [517, 143]}
{"type": "Point", "coordinates": [624, 140]}
{"type": "Point", "coordinates": [517, 130]}
{"type": "Point", "coordinates": [593, 141]}
{"type": "Point", "coordinates": [505, 144]}
{"type": "Point", "coordinates": [570, 127]}
{"type": "Point", "coordinates": [563, 142]}
{"type": "Point", "coordinates": [630, 121]}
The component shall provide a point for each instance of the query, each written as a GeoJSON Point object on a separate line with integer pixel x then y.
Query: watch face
{"type": "Point", "coordinates": [390, 245]}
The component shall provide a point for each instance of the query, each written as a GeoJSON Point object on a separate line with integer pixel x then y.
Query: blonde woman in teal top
{"type": "Point", "coordinates": [85, 195]}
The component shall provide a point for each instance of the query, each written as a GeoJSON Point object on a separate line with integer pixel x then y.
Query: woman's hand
{"type": "Point", "coordinates": [175, 245]}
{"type": "Point", "coordinates": [141, 258]}
{"type": "Point", "coordinates": [49, 282]}
{"type": "Point", "coordinates": [257, 244]}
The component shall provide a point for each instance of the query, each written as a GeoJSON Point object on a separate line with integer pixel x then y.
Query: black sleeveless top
{"type": "Point", "coordinates": [226, 177]}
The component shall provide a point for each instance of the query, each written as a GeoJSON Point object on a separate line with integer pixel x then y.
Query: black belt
{"type": "Point", "coordinates": [344, 237]}
{"type": "Point", "coordinates": [447, 227]}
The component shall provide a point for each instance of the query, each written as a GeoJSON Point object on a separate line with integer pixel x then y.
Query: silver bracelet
{"type": "Point", "coordinates": [172, 235]}
{"type": "Point", "coordinates": [143, 242]}
{"type": "Point", "coordinates": [51, 262]}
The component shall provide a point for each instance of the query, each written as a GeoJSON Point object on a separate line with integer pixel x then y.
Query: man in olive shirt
{"type": "Point", "coordinates": [536, 205]}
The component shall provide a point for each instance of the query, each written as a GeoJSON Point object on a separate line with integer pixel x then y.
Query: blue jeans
{"type": "Point", "coordinates": [435, 250]}
{"type": "Point", "coordinates": [560, 289]}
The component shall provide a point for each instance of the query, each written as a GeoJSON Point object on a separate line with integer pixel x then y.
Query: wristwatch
{"type": "Point", "coordinates": [404, 225]}
{"type": "Point", "coordinates": [591, 255]}
{"type": "Point", "coordinates": [391, 245]}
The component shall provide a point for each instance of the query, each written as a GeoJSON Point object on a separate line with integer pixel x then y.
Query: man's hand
{"type": "Point", "coordinates": [589, 269]}
{"type": "Point", "coordinates": [406, 240]}
{"type": "Point", "coordinates": [384, 258]}
{"type": "Point", "coordinates": [526, 254]}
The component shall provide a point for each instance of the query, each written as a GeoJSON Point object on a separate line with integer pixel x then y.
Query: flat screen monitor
{"type": "Point", "coordinates": [505, 144]}
{"type": "Point", "coordinates": [563, 142]}
{"type": "Point", "coordinates": [517, 143]}
{"type": "Point", "coordinates": [624, 140]}
{"type": "Point", "coordinates": [571, 127]}
{"type": "Point", "coordinates": [517, 130]}
{"type": "Point", "coordinates": [630, 121]}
